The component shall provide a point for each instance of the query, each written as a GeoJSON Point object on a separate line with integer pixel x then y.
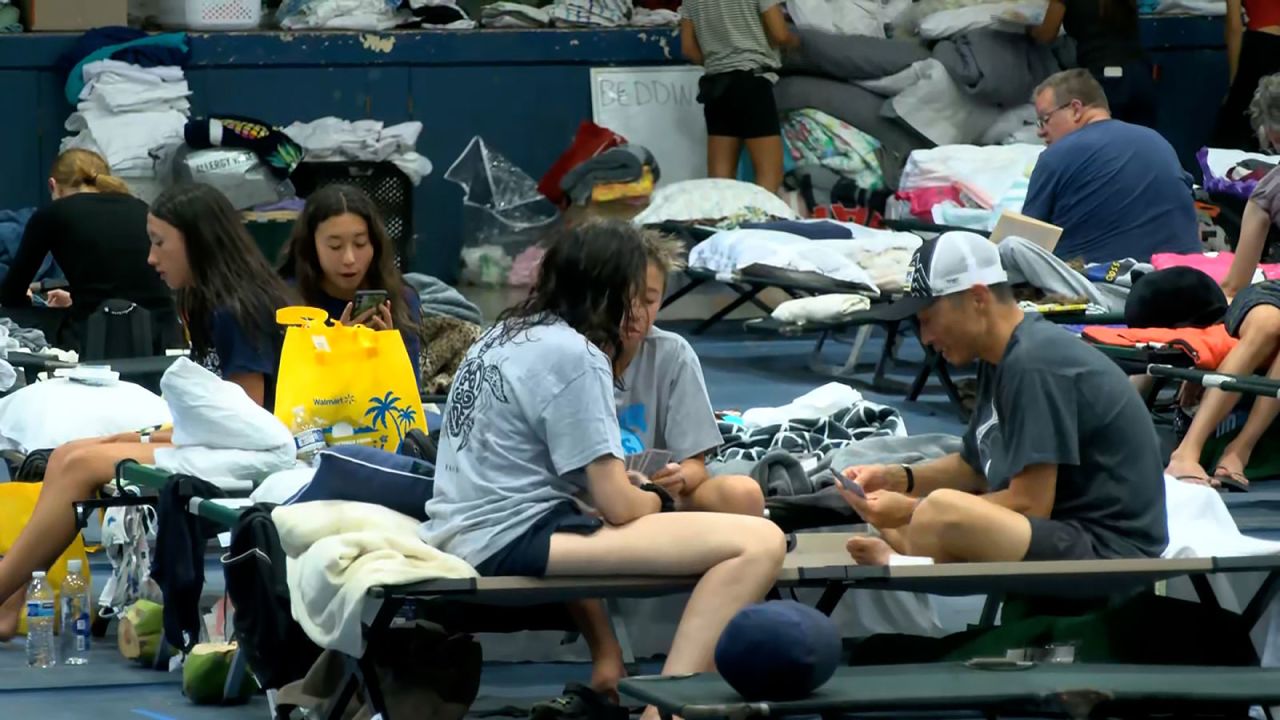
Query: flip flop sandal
{"type": "Point", "coordinates": [1231, 481]}
{"type": "Point", "coordinates": [1194, 479]}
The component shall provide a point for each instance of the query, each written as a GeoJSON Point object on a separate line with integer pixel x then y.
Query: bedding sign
{"type": "Point", "coordinates": [657, 108]}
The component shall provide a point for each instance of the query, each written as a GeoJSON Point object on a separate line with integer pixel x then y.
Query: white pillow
{"type": "Point", "coordinates": [711, 199]}
{"type": "Point", "coordinates": [55, 412]}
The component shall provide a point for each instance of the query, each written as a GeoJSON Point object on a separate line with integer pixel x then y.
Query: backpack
{"type": "Point", "coordinates": [276, 648]}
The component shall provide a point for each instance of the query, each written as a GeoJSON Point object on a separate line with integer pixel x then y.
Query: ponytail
{"type": "Point", "coordinates": [76, 169]}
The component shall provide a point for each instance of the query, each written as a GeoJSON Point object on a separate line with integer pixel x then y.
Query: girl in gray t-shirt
{"type": "Point", "coordinates": [530, 478]}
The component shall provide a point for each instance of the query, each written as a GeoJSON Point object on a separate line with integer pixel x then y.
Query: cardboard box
{"type": "Point", "coordinates": [73, 15]}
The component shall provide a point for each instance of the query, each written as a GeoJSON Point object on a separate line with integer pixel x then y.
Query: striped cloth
{"type": "Point", "coordinates": [731, 34]}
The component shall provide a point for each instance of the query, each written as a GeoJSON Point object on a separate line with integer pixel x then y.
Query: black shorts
{"type": "Point", "coordinates": [527, 555]}
{"type": "Point", "coordinates": [739, 104]}
{"type": "Point", "coordinates": [1057, 540]}
{"type": "Point", "coordinates": [1263, 293]}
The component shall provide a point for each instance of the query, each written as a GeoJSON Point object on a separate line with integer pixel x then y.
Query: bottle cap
{"type": "Point", "coordinates": [37, 574]}
{"type": "Point", "coordinates": [74, 566]}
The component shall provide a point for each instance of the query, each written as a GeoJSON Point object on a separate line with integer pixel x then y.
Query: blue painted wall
{"type": "Point", "coordinates": [523, 91]}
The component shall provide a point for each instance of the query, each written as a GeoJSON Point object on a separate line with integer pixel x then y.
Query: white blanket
{"type": "Point", "coordinates": [936, 107]}
{"type": "Point", "coordinates": [731, 250]}
{"type": "Point", "coordinates": [337, 551]}
{"type": "Point", "coordinates": [985, 174]}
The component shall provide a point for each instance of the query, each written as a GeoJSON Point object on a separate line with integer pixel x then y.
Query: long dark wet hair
{"type": "Point", "coordinates": [301, 261]}
{"type": "Point", "coordinates": [229, 273]}
{"type": "Point", "coordinates": [590, 277]}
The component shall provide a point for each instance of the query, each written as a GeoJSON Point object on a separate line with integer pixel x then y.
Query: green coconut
{"type": "Point", "coordinates": [141, 634]}
{"type": "Point", "coordinates": [206, 671]}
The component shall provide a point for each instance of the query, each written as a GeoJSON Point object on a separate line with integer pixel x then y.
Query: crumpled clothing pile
{"type": "Point", "coordinates": [332, 138]}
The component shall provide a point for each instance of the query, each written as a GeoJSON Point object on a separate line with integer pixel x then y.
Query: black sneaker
{"type": "Point", "coordinates": [579, 702]}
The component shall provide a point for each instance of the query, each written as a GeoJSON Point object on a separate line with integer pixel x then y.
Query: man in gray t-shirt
{"type": "Point", "coordinates": [1060, 460]}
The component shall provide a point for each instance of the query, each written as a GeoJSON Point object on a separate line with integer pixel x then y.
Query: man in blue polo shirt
{"type": "Point", "coordinates": [1116, 190]}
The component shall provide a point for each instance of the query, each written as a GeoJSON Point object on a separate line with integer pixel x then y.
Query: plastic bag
{"type": "Point", "coordinates": [503, 213]}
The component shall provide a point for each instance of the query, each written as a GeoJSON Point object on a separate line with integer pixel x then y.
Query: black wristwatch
{"type": "Point", "coordinates": [668, 504]}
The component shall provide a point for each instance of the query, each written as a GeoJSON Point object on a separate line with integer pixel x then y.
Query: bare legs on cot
{"type": "Point", "coordinates": [75, 472]}
{"type": "Point", "coordinates": [1259, 340]}
{"type": "Point", "coordinates": [950, 526]}
{"type": "Point", "coordinates": [737, 557]}
{"type": "Point", "coordinates": [733, 494]}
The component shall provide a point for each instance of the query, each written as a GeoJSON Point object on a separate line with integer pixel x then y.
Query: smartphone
{"type": "Point", "coordinates": [850, 485]}
{"type": "Point", "coordinates": [367, 300]}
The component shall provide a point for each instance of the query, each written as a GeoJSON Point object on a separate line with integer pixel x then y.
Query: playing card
{"type": "Point", "coordinates": [656, 461]}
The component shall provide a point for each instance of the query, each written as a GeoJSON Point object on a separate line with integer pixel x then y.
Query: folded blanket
{"type": "Point", "coordinates": [810, 436]}
{"type": "Point", "coordinates": [337, 551]}
{"type": "Point", "coordinates": [996, 67]}
{"type": "Point", "coordinates": [1207, 347]}
{"type": "Point", "coordinates": [822, 308]}
{"type": "Point", "coordinates": [439, 298]}
{"type": "Point", "coordinates": [623, 164]}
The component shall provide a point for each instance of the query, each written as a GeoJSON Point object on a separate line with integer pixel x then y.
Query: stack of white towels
{"type": "Point", "coordinates": [126, 112]}
{"type": "Point", "coordinates": [332, 138]}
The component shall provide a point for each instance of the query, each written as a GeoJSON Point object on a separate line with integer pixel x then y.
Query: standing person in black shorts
{"type": "Point", "coordinates": [737, 42]}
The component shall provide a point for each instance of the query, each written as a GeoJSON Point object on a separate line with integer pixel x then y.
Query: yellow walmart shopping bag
{"type": "Point", "coordinates": [354, 383]}
{"type": "Point", "coordinates": [17, 502]}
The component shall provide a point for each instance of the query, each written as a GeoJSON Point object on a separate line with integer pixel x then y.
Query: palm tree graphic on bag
{"type": "Point", "coordinates": [386, 412]}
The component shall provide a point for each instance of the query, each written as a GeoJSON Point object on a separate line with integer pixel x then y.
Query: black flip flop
{"type": "Point", "coordinates": [1231, 481]}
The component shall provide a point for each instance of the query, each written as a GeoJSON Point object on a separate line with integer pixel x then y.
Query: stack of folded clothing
{"type": "Point", "coordinates": [627, 171]}
{"type": "Point", "coordinates": [131, 97]}
{"type": "Point", "coordinates": [514, 15]}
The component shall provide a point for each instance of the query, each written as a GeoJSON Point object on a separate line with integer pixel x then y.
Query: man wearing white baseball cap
{"type": "Point", "coordinates": [1060, 460]}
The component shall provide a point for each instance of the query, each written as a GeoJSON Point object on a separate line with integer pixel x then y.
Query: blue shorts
{"type": "Point", "coordinates": [527, 555]}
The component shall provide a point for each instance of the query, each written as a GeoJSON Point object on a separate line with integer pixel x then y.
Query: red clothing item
{"type": "Point", "coordinates": [1206, 347]}
{"type": "Point", "coordinates": [1262, 13]}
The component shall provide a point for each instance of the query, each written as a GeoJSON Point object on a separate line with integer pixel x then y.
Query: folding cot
{"type": "Point", "coordinates": [818, 560]}
{"type": "Point", "coordinates": [752, 280]}
{"type": "Point", "coordinates": [1074, 689]}
{"type": "Point", "coordinates": [864, 322]}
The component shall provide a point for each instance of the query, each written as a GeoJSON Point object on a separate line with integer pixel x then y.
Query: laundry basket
{"type": "Point", "coordinates": [211, 14]}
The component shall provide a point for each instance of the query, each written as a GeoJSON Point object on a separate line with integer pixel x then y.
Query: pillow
{"type": "Point", "coordinates": [55, 412]}
{"type": "Point", "coordinates": [779, 650]}
{"type": "Point", "coordinates": [211, 412]}
{"type": "Point", "coordinates": [369, 475]}
{"type": "Point", "coordinates": [713, 199]}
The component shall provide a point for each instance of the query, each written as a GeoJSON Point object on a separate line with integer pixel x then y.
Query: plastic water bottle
{"type": "Point", "coordinates": [41, 606]}
{"type": "Point", "coordinates": [308, 436]}
{"type": "Point", "coordinates": [73, 647]}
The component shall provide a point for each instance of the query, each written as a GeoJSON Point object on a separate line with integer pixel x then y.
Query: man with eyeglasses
{"type": "Point", "coordinates": [1116, 189]}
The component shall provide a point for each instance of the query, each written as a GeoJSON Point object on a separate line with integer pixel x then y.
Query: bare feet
{"type": "Point", "coordinates": [605, 675]}
{"type": "Point", "coordinates": [1188, 471]}
{"type": "Point", "coordinates": [10, 613]}
{"type": "Point", "coordinates": [866, 550]}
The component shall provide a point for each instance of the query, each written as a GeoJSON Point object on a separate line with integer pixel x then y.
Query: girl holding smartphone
{"type": "Point", "coordinates": [342, 260]}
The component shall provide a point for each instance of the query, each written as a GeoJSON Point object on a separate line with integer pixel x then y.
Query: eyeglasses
{"type": "Point", "coordinates": [1042, 120]}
